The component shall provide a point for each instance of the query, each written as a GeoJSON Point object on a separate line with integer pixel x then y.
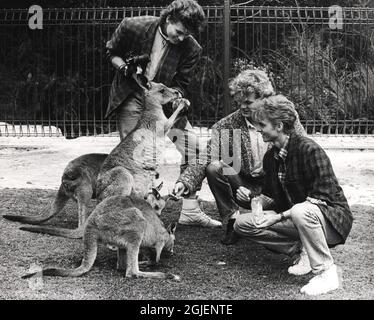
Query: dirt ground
{"type": "Point", "coordinates": [39, 162]}
{"type": "Point", "coordinates": [30, 171]}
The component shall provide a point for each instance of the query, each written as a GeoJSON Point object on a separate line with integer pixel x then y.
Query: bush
{"type": "Point", "coordinates": [323, 84]}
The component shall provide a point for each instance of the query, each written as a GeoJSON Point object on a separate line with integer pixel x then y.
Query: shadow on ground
{"type": "Point", "coordinates": [208, 269]}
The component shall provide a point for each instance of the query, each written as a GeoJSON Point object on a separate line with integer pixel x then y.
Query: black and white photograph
{"type": "Point", "coordinates": [196, 152]}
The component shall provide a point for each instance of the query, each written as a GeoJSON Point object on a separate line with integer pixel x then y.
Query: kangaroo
{"type": "Point", "coordinates": [78, 182]}
{"type": "Point", "coordinates": [126, 223]}
{"type": "Point", "coordinates": [125, 171]}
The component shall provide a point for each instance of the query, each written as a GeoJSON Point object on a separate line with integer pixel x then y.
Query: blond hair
{"type": "Point", "coordinates": [251, 81]}
{"type": "Point", "coordinates": [277, 109]}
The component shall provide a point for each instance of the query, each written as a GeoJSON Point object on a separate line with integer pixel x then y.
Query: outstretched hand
{"type": "Point", "coordinates": [178, 190]}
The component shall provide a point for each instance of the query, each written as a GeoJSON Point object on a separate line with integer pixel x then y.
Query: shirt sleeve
{"type": "Point", "coordinates": [195, 173]}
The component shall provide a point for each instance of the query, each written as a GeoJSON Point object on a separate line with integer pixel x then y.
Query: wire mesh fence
{"type": "Point", "coordinates": [55, 80]}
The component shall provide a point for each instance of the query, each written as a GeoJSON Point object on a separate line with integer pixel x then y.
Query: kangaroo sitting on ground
{"type": "Point", "coordinates": [126, 170]}
{"type": "Point", "coordinates": [126, 223]}
{"type": "Point", "coordinates": [78, 182]}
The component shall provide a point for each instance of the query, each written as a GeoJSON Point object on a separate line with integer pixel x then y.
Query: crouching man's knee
{"type": "Point", "coordinates": [214, 169]}
{"type": "Point", "coordinates": [243, 226]}
{"type": "Point", "coordinates": [304, 213]}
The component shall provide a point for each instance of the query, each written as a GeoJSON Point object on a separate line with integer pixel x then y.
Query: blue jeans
{"type": "Point", "coordinates": [307, 225]}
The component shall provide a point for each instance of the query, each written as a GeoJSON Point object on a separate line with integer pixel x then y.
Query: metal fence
{"type": "Point", "coordinates": [56, 81]}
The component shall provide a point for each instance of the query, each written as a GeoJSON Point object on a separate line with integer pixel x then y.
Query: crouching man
{"type": "Point", "coordinates": [310, 212]}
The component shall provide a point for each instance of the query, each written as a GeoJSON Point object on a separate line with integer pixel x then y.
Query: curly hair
{"type": "Point", "coordinates": [188, 12]}
{"type": "Point", "coordinates": [277, 109]}
{"type": "Point", "coordinates": [251, 81]}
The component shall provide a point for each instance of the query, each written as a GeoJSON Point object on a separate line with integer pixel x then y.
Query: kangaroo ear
{"type": "Point", "coordinates": [139, 83]}
{"type": "Point", "coordinates": [172, 227]}
{"type": "Point", "coordinates": [160, 186]}
{"type": "Point", "coordinates": [156, 193]}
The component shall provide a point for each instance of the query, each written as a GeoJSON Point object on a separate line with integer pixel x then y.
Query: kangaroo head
{"type": "Point", "coordinates": [155, 200]}
{"type": "Point", "coordinates": [169, 245]}
{"type": "Point", "coordinates": [160, 93]}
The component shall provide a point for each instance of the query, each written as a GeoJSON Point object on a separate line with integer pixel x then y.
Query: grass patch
{"type": "Point", "coordinates": [208, 269]}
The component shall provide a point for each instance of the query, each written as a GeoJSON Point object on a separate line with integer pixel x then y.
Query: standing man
{"type": "Point", "coordinates": [234, 155]}
{"type": "Point", "coordinates": [310, 210]}
{"type": "Point", "coordinates": [174, 54]}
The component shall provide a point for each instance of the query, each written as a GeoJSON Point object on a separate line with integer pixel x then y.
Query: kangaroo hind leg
{"type": "Point", "coordinates": [133, 266]}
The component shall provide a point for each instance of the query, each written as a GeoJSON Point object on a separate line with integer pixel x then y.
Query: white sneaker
{"type": "Point", "coordinates": [302, 266]}
{"type": "Point", "coordinates": [323, 283]}
{"type": "Point", "coordinates": [192, 215]}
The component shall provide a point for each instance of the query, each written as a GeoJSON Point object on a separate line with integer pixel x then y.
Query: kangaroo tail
{"type": "Point", "coordinates": [57, 206]}
{"type": "Point", "coordinates": [158, 275]}
{"type": "Point", "coordinates": [54, 231]}
{"type": "Point", "coordinates": [90, 239]}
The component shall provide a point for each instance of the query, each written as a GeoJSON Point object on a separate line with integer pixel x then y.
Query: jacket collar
{"type": "Point", "coordinates": [292, 143]}
{"type": "Point", "coordinates": [283, 151]}
{"type": "Point", "coordinates": [149, 36]}
{"type": "Point", "coordinates": [241, 120]}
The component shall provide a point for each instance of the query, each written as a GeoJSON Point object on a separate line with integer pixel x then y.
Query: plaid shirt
{"type": "Point", "coordinates": [281, 158]}
{"type": "Point", "coordinates": [136, 36]}
{"type": "Point", "coordinates": [309, 176]}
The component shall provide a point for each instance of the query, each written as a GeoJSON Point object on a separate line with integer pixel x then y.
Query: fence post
{"type": "Point", "coordinates": [226, 56]}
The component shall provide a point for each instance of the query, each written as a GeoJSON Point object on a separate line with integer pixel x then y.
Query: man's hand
{"type": "Point", "coordinates": [127, 70]}
{"type": "Point", "coordinates": [243, 194]}
{"type": "Point", "coordinates": [179, 189]}
{"type": "Point", "coordinates": [270, 217]}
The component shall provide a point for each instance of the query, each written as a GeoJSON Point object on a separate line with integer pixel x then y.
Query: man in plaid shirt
{"type": "Point", "coordinates": [174, 54]}
{"type": "Point", "coordinates": [234, 154]}
{"type": "Point", "coordinates": [310, 212]}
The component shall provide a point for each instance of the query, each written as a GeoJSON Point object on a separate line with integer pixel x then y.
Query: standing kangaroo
{"type": "Point", "coordinates": [124, 171]}
{"type": "Point", "coordinates": [118, 219]}
{"type": "Point", "coordinates": [78, 182]}
{"type": "Point", "coordinates": [126, 223]}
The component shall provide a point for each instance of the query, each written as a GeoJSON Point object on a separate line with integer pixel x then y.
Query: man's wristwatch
{"type": "Point", "coordinates": [283, 217]}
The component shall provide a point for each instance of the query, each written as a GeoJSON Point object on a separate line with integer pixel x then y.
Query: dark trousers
{"type": "Point", "coordinates": [225, 184]}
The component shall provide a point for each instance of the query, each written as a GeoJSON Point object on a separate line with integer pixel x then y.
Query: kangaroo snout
{"type": "Point", "coordinates": [177, 94]}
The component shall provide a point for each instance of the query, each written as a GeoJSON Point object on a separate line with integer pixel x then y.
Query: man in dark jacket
{"type": "Point", "coordinates": [174, 54]}
{"type": "Point", "coordinates": [310, 210]}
